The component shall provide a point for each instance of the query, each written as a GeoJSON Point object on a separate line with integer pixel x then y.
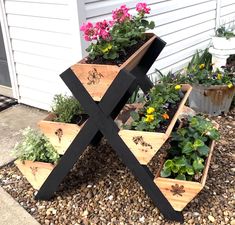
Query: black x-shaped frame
{"type": "Point", "coordinates": [101, 123]}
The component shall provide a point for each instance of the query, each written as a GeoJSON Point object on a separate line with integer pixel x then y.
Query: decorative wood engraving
{"type": "Point", "coordinates": [140, 140]}
{"type": "Point", "coordinates": [177, 189]}
{"type": "Point", "coordinates": [59, 134]}
{"type": "Point", "coordinates": [94, 77]}
{"type": "Point", "coordinates": [34, 170]}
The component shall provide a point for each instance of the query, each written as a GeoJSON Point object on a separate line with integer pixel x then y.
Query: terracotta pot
{"type": "Point", "coordinates": [223, 44]}
{"type": "Point", "coordinates": [180, 192]}
{"type": "Point", "coordinates": [212, 100]}
{"type": "Point", "coordinates": [59, 134]}
{"type": "Point", "coordinates": [143, 144]}
{"type": "Point", "coordinates": [97, 78]}
{"type": "Point", "coordinates": [35, 172]}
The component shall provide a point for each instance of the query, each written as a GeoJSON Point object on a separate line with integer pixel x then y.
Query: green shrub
{"type": "Point", "coordinates": [35, 147]}
{"type": "Point", "coordinates": [66, 108]}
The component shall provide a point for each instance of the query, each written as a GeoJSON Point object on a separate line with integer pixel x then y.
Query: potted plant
{"type": "Point", "coordinates": [64, 122]}
{"type": "Point", "coordinates": [213, 91]}
{"type": "Point", "coordinates": [150, 126]}
{"type": "Point", "coordinates": [224, 38]}
{"type": "Point", "coordinates": [115, 45]}
{"type": "Point", "coordinates": [36, 157]}
{"type": "Point", "coordinates": [184, 173]}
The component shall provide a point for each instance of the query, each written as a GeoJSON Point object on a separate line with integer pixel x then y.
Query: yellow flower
{"type": "Point", "coordinates": [149, 118]}
{"type": "Point", "coordinates": [165, 116]}
{"type": "Point", "coordinates": [201, 66]}
{"type": "Point", "coordinates": [177, 87]}
{"type": "Point", "coordinates": [107, 48]}
{"type": "Point", "coordinates": [150, 110]}
{"type": "Point", "coordinates": [219, 76]}
{"type": "Point", "coordinates": [230, 85]}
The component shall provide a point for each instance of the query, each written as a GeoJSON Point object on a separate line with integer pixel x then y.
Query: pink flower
{"type": "Point", "coordinates": [103, 29]}
{"type": "Point", "coordinates": [142, 8]}
{"type": "Point", "coordinates": [121, 15]}
{"type": "Point", "coordinates": [90, 32]}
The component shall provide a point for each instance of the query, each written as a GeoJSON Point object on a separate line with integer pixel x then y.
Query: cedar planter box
{"type": "Point", "coordinates": [59, 134]}
{"type": "Point", "coordinates": [97, 78]}
{"type": "Point", "coordinates": [180, 192]}
{"type": "Point", "coordinates": [143, 144]}
{"type": "Point", "coordinates": [212, 100]}
{"type": "Point", "coordinates": [35, 172]}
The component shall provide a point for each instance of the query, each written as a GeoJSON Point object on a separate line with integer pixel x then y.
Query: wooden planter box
{"type": "Point", "coordinates": [180, 192]}
{"type": "Point", "coordinates": [59, 134]}
{"type": "Point", "coordinates": [35, 172]}
{"type": "Point", "coordinates": [143, 144]}
{"type": "Point", "coordinates": [211, 100]}
{"type": "Point", "coordinates": [96, 78]}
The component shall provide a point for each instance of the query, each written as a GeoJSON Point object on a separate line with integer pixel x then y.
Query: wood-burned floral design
{"type": "Point", "coordinates": [34, 170]}
{"type": "Point", "coordinates": [94, 77]}
{"type": "Point", "coordinates": [140, 140]}
{"type": "Point", "coordinates": [59, 133]}
{"type": "Point", "coordinates": [177, 189]}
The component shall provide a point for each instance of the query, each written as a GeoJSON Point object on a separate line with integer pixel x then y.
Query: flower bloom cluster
{"type": "Point", "coordinates": [99, 30]}
{"type": "Point", "coordinates": [142, 8]}
{"type": "Point", "coordinates": [121, 15]}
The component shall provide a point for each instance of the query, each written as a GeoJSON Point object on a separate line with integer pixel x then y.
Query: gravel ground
{"type": "Point", "coordinates": [100, 190]}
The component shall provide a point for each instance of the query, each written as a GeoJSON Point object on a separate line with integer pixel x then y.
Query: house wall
{"type": "Point", "coordinates": [45, 41]}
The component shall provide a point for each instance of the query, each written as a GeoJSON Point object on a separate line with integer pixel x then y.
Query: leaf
{"type": "Point", "coordinates": [175, 168]}
{"type": "Point", "coordinates": [151, 25]}
{"type": "Point", "coordinates": [180, 161]}
{"type": "Point", "coordinates": [187, 148]}
{"type": "Point", "coordinates": [198, 143]}
{"type": "Point", "coordinates": [166, 172]}
{"type": "Point", "coordinates": [198, 164]}
{"type": "Point", "coordinates": [135, 116]}
{"type": "Point", "coordinates": [203, 150]}
{"type": "Point", "coordinates": [168, 164]}
{"type": "Point", "coordinates": [181, 177]}
{"type": "Point", "coordinates": [190, 170]}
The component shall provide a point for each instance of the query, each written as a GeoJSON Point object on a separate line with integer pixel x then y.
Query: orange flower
{"type": "Point", "coordinates": [165, 116]}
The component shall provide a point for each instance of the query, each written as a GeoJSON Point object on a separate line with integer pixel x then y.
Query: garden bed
{"type": "Point", "coordinates": [100, 189]}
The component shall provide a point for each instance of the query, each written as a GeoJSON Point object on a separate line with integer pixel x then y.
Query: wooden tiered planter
{"type": "Point", "coordinates": [59, 134]}
{"type": "Point", "coordinates": [144, 145]}
{"type": "Point", "coordinates": [35, 172]}
{"type": "Point", "coordinates": [180, 192]}
{"type": "Point", "coordinates": [96, 78]}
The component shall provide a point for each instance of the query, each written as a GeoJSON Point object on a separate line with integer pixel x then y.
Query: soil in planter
{"type": "Point", "coordinates": [172, 109]}
{"type": "Point", "coordinates": [122, 56]}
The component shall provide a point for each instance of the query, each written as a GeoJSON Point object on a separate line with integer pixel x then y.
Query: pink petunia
{"type": "Point", "coordinates": [142, 8]}
{"type": "Point", "coordinates": [90, 32]}
{"type": "Point", "coordinates": [103, 30]}
{"type": "Point", "coordinates": [121, 15]}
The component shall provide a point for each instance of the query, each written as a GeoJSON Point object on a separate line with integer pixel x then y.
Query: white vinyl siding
{"type": "Point", "coordinates": [43, 43]}
{"type": "Point", "coordinates": [227, 12]}
{"type": "Point", "coordinates": [184, 25]}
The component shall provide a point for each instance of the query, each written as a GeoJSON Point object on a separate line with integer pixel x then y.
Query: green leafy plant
{"type": "Point", "coordinates": [66, 108]}
{"type": "Point", "coordinates": [189, 149]}
{"type": "Point", "coordinates": [155, 107]}
{"type": "Point", "coordinates": [110, 39]}
{"type": "Point", "coordinates": [222, 31]}
{"type": "Point", "coordinates": [35, 147]}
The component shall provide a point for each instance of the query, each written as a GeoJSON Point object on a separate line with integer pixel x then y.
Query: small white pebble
{"type": "Point", "coordinates": [110, 198]}
{"type": "Point", "coordinates": [142, 219]}
{"type": "Point", "coordinates": [89, 186]}
{"type": "Point", "coordinates": [211, 218]}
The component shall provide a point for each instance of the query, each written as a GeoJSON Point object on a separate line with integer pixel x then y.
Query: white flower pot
{"type": "Point", "coordinates": [223, 43]}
